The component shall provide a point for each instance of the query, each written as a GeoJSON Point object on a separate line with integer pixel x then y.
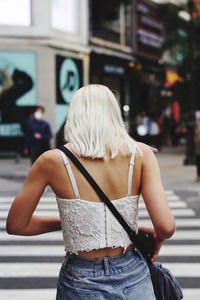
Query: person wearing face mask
{"type": "Point", "coordinates": [38, 135]}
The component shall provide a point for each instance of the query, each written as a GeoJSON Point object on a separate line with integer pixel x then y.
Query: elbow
{"type": "Point", "coordinates": [9, 230]}
{"type": "Point", "coordinates": [164, 235]}
{"type": "Point", "coordinates": [12, 229]}
{"type": "Point", "coordinates": [166, 231]}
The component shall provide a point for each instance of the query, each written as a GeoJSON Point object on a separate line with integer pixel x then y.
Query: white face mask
{"type": "Point", "coordinates": [38, 115]}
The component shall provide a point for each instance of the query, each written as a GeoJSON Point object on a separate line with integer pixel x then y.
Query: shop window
{"type": "Point", "coordinates": [65, 15]}
{"type": "Point", "coordinates": [16, 13]}
{"type": "Point", "coordinates": [112, 20]}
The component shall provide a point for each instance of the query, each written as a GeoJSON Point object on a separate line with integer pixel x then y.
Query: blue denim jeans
{"type": "Point", "coordinates": [121, 277]}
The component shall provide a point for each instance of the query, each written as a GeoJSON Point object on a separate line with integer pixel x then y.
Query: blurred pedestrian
{"type": "Point", "coordinates": [37, 136]}
{"type": "Point", "coordinates": [154, 134]}
{"type": "Point", "coordinates": [197, 147]}
{"type": "Point", "coordinates": [100, 261]}
{"type": "Point", "coordinates": [143, 122]}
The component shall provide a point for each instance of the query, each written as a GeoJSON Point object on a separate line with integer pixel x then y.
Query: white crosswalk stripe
{"type": "Point", "coordinates": [50, 294]}
{"type": "Point", "coordinates": [29, 270]}
{"type": "Point", "coordinates": [32, 251]}
{"type": "Point", "coordinates": [3, 214]}
{"type": "Point", "coordinates": [32, 255]}
{"type": "Point", "coordinates": [184, 269]}
{"type": "Point", "coordinates": [53, 236]}
{"type": "Point", "coordinates": [191, 222]}
{"type": "Point", "coordinates": [30, 294]}
{"type": "Point", "coordinates": [180, 250]}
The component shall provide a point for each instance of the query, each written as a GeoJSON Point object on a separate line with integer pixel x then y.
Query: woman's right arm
{"type": "Point", "coordinates": [21, 219]}
{"type": "Point", "coordinates": [155, 199]}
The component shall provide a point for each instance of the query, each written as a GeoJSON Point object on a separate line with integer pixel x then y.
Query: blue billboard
{"type": "Point", "coordinates": [18, 94]}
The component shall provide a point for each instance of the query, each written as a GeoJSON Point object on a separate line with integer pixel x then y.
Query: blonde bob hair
{"type": "Point", "coordinates": [94, 126]}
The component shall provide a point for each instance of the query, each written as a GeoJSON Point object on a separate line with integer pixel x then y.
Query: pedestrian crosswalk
{"type": "Point", "coordinates": [29, 266]}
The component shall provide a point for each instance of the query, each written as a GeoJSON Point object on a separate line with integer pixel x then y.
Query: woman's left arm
{"type": "Point", "coordinates": [20, 220]}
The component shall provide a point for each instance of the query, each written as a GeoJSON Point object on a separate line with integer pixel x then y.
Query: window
{"type": "Point", "coordinates": [65, 15]}
{"type": "Point", "coordinates": [15, 12]}
{"type": "Point", "coordinates": [112, 20]}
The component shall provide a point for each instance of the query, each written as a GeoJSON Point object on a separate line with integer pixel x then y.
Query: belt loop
{"type": "Point", "coordinates": [65, 260]}
{"type": "Point", "coordinates": [106, 266]}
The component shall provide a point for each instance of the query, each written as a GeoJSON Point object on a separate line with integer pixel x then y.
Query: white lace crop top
{"type": "Point", "coordinates": [90, 225]}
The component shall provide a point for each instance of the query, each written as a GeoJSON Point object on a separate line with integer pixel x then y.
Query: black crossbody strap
{"type": "Point", "coordinates": [99, 192]}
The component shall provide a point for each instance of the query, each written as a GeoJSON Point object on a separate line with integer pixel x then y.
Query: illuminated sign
{"type": "Point", "coordinates": [114, 69]}
{"type": "Point", "coordinates": [11, 130]}
{"type": "Point", "coordinates": [171, 78]}
{"type": "Point", "coordinates": [150, 22]}
{"type": "Point", "coordinates": [149, 39]}
{"type": "Point", "coordinates": [142, 8]}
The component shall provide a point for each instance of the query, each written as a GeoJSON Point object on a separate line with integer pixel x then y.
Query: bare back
{"type": "Point", "coordinates": [110, 174]}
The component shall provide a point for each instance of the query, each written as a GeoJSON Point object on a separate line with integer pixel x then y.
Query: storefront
{"type": "Point", "coordinates": [148, 49]}
{"type": "Point", "coordinates": [31, 77]}
{"type": "Point", "coordinates": [151, 83]}
{"type": "Point", "coordinates": [119, 75]}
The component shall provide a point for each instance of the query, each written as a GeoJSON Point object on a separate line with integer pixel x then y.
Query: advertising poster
{"type": "Point", "coordinates": [69, 78]}
{"type": "Point", "coordinates": [17, 96]}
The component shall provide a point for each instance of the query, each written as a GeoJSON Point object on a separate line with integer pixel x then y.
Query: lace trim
{"type": "Point", "coordinates": [93, 248]}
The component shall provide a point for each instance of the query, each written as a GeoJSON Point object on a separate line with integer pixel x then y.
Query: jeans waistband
{"type": "Point", "coordinates": [89, 263]}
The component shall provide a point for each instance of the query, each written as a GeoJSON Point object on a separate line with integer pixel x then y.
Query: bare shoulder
{"type": "Point", "coordinates": [49, 160]}
{"type": "Point", "coordinates": [150, 163]}
{"type": "Point", "coordinates": [146, 151]}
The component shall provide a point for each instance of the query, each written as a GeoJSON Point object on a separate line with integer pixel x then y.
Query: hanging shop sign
{"type": "Point", "coordinates": [171, 78]}
{"type": "Point", "coordinates": [142, 8]}
{"type": "Point", "coordinates": [112, 69]}
{"type": "Point", "coordinates": [151, 23]}
{"type": "Point", "coordinates": [149, 39]}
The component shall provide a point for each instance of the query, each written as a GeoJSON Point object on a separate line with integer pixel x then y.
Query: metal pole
{"type": "Point", "coordinates": [192, 93]}
{"type": "Point", "coordinates": [190, 156]}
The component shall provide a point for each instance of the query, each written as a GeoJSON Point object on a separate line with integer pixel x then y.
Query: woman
{"type": "Point", "coordinates": [100, 263]}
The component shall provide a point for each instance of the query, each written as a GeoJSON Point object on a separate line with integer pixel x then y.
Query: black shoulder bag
{"type": "Point", "coordinates": [164, 283]}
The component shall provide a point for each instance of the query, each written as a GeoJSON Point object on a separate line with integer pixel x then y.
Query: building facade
{"type": "Point", "coordinates": [50, 48]}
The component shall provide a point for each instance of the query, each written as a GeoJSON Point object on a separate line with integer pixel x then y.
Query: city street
{"type": "Point", "coordinates": [29, 266]}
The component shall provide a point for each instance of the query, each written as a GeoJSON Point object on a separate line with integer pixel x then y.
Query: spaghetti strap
{"type": "Point", "coordinates": [130, 174]}
{"type": "Point", "coordinates": [71, 175]}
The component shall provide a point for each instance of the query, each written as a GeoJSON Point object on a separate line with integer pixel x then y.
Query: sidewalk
{"type": "Point", "coordinates": [175, 174]}
{"type": "Point", "coordinates": [10, 169]}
